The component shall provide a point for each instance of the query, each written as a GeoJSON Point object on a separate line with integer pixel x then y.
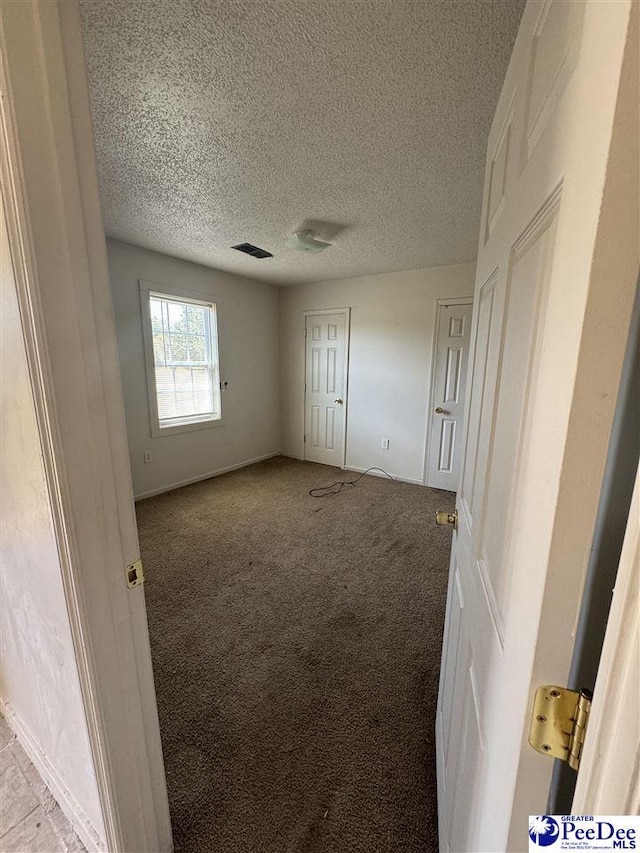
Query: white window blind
{"type": "Point", "coordinates": [185, 351]}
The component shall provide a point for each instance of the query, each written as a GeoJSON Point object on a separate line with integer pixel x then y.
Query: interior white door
{"type": "Point", "coordinates": [449, 383]}
{"type": "Point", "coordinates": [325, 388]}
{"type": "Point", "coordinates": [553, 299]}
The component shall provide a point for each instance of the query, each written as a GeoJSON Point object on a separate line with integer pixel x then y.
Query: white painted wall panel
{"type": "Point", "coordinates": [392, 324]}
{"type": "Point", "coordinates": [248, 341]}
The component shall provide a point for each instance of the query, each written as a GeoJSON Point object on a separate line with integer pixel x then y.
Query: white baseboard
{"type": "Point", "coordinates": [61, 794]}
{"type": "Point", "coordinates": [206, 476]}
{"type": "Point", "coordinates": [362, 470]}
{"type": "Point", "coordinates": [289, 454]}
{"type": "Point", "coordinates": [378, 473]}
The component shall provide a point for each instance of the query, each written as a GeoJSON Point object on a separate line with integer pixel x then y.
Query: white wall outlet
{"type": "Point", "coordinates": [148, 456]}
{"type": "Point", "coordinates": [385, 443]}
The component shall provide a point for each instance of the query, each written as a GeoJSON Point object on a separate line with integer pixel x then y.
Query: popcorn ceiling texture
{"type": "Point", "coordinates": [220, 121]}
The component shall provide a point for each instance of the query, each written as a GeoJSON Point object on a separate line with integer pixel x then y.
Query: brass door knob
{"type": "Point", "coordinates": [444, 517]}
{"type": "Point", "coordinates": [439, 410]}
{"type": "Point", "coordinates": [338, 401]}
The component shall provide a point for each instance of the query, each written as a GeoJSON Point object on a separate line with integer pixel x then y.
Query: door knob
{"type": "Point", "coordinates": [338, 401]}
{"type": "Point", "coordinates": [444, 517]}
{"type": "Point", "coordinates": [439, 410]}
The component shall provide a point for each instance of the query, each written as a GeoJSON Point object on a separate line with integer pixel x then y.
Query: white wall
{"type": "Point", "coordinates": [248, 341]}
{"type": "Point", "coordinates": [392, 322]}
{"type": "Point", "coordinates": [40, 689]}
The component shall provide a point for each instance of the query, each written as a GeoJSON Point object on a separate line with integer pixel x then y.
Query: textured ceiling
{"type": "Point", "coordinates": [223, 121]}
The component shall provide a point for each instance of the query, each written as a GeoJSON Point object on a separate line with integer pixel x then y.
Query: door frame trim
{"type": "Point", "coordinates": [50, 192]}
{"type": "Point", "coordinates": [439, 304]}
{"type": "Point", "coordinates": [598, 764]}
{"type": "Point", "coordinates": [347, 348]}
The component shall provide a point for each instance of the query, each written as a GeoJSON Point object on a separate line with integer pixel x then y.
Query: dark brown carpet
{"type": "Point", "coordinates": [296, 648]}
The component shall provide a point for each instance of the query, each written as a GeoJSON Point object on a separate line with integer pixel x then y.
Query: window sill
{"type": "Point", "coordinates": [160, 432]}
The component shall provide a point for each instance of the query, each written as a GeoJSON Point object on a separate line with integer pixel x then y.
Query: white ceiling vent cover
{"type": "Point", "coordinates": [305, 241]}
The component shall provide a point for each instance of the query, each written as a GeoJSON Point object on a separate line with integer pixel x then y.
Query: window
{"type": "Point", "coordinates": [182, 349]}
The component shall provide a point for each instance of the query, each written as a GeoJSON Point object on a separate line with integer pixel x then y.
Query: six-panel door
{"type": "Point", "coordinates": [546, 353]}
{"type": "Point", "coordinates": [325, 388]}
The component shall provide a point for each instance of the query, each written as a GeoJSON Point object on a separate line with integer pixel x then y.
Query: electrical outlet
{"type": "Point", "coordinates": [148, 456]}
{"type": "Point", "coordinates": [385, 443]}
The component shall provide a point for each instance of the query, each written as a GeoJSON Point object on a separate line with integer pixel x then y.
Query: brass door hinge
{"type": "Point", "coordinates": [135, 575]}
{"type": "Point", "coordinates": [559, 723]}
{"type": "Point", "coordinates": [444, 517]}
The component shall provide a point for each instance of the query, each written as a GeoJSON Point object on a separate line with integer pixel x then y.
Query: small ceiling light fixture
{"type": "Point", "coordinates": [306, 241]}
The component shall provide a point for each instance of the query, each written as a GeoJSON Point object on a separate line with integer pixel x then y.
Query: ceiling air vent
{"type": "Point", "coordinates": [254, 251]}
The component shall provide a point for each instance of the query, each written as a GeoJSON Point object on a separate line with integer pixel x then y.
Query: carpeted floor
{"type": "Point", "coordinates": [296, 648]}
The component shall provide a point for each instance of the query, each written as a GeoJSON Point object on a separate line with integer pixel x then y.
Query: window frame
{"type": "Point", "coordinates": [178, 294]}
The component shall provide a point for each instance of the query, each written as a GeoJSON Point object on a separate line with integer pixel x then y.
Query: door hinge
{"type": "Point", "coordinates": [305, 386]}
{"type": "Point", "coordinates": [135, 575]}
{"type": "Point", "coordinates": [445, 517]}
{"type": "Point", "coordinates": [304, 439]}
{"type": "Point", "coordinates": [559, 723]}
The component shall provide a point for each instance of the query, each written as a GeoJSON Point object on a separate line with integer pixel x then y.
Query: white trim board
{"type": "Point", "coordinates": [61, 794]}
{"type": "Point", "coordinates": [397, 478]}
{"type": "Point", "coordinates": [170, 488]}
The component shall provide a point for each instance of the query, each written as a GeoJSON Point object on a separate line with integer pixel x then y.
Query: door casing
{"type": "Point", "coordinates": [608, 780]}
{"type": "Point", "coordinates": [57, 241]}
